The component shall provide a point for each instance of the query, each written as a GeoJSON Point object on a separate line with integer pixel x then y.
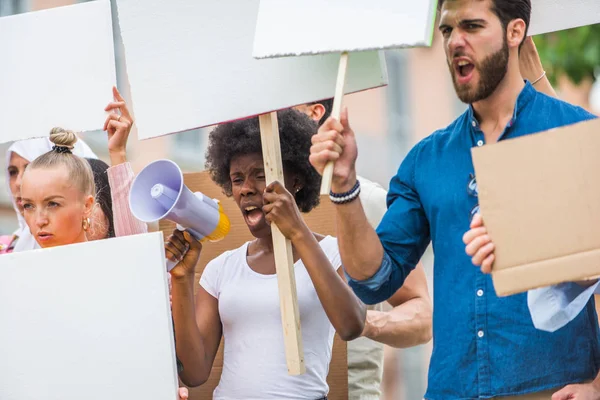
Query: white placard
{"type": "Point", "coordinates": [557, 15]}
{"type": "Point", "coordinates": [57, 69]}
{"type": "Point", "coordinates": [190, 65]}
{"type": "Point", "coordinates": [301, 27]}
{"type": "Point", "coordinates": [88, 321]}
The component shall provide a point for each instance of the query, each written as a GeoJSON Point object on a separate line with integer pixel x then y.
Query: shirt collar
{"type": "Point", "coordinates": [524, 97]}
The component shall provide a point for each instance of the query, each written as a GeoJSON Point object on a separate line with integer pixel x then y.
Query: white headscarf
{"type": "Point", "coordinates": [30, 149]}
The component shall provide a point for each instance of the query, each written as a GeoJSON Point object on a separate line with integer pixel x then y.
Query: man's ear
{"type": "Point", "coordinates": [316, 111]}
{"type": "Point", "coordinates": [515, 33]}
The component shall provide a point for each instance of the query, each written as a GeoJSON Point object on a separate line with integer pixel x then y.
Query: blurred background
{"type": "Point", "coordinates": [388, 121]}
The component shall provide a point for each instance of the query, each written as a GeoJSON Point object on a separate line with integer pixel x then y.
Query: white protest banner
{"type": "Point", "coordinates": [190, 65]}
{"type": "Point", "coordinates": [89, 320]}
{"type": "Point", "coordinates": [557, 15]}
{"type": "Point", "coordinates": [57, 69]}
{"type": "Point", "coordinates": [282, 28]}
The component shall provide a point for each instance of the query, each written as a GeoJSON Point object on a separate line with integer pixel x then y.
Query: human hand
{"type": "Point", "coordinates": [183, 393]}
{"type": "Point", "coordinates": [479, 245]}
{"type": "Point", "coordinates": [118, 126]}
{"type": "Point", "coordinates": [280, 209]}
{"type": "Point", "coordinates": [183, 248]}
{"type": "Point", "coordinates": [335, 141]}
{"type": "Point", "coordinates": [584, 391]}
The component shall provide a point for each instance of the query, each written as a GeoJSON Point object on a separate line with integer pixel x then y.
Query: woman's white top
{"type": "Point", "coordinates": [254, 365]}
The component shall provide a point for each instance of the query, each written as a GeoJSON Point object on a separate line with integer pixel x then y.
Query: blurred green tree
{"type": "Point", "coordinates": [573, 52]}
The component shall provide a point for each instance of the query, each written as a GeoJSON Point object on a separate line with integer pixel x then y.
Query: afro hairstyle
{"type": "Point", "coordinates": [242, 137]}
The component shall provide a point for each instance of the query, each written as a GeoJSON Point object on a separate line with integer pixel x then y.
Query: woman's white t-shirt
{"type": "Point", "coordinates": [254, 365]}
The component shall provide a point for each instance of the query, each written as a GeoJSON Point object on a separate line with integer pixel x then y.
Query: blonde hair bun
{"type": "Point", "coordinates": [63, 138]}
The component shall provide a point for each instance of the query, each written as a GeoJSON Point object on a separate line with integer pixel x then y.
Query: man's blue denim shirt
{"type": "Point", "coordinates": [483, 345]}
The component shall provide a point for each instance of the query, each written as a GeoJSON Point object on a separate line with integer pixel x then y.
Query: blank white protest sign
{"type": "Point", "coordinates": [57, 69]}
{"type": "Point", "coordinates": [299, 27]}
{"type": "Point", "coordinates": [557, 15]}
{"type": "Point", "coordinates": [89, 320]}
{"type": "Point", "coordinates": [190, 65]}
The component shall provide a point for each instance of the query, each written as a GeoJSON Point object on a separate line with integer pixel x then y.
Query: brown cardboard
{"type": "Point", "coordinates": [321, 220]}
{"type": "Point", "coordinates": [540, 201]}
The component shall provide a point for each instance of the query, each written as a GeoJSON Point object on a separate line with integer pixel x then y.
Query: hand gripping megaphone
{"type": "Point", "coordinates": [159, 192]}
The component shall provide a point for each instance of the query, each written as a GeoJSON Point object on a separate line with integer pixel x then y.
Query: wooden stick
{"type": "Point", "coordinates": [284, 260]}
{"type": "Point", "coordinates": [335, 113]}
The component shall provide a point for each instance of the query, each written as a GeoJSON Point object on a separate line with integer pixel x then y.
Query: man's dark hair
{"type": "Point", "coordinates": [243, 137]}
{"type": "Point", "coordinates": [103, 195]}
{"type": "Point", "coordinates": [508, 10]}
{"type": "Point", "coordinates": [328, 104]}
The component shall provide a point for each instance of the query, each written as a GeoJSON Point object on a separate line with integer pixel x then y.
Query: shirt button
{"type": "Point", "coordinates": [474, 124]}
{"type": "Point", "coordinates": [480, 293]}
{"type": "Point", "coordinates": [480, 143]}
{"type": "Point", "coordinates": [480, 334]}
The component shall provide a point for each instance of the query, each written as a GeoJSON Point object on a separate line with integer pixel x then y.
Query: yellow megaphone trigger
{"type": "Point", "coordinates": [222, 229]}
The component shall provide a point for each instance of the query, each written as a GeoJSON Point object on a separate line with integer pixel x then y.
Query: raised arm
{"type": "Point", "coordinates": [198, 326]}
{"type": "Point", "coordinates": [344, 310]}
{"type": "Point", "coordinates": [532, 69]}
{"type": "Point", "coordinates": [377, 263]}
{"type": "Point", "coordinates": [120, 175]}
{"type": "Point", "coordinates": [120, 179]}
{"type": "Point", "coordinates": [360, 248]}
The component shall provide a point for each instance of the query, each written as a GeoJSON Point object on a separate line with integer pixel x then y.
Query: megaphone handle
{"type": "Point", "coordinates": [171, 265]}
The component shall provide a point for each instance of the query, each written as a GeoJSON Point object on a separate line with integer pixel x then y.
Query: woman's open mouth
{"type": "Point", "coordinates": [253, 215]}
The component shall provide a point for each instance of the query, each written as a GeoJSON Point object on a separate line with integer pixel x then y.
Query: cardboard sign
{"type": "Point", "coordinates": [321, 220]}
{"type": "Point", "coordinates": [557, 15]}
{"type": "Point", "coordinates": [190, 65]}
{"type": "Point", "coordinates": [540, 201]}
{"type": "Point", "coordinates": [57, 69]}
{"type": "Point", "coordinates": [293, 28]}
{"type": "Point", "coordinates": [89, 318]}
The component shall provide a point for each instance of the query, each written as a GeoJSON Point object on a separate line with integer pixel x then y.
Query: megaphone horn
{"type": "Point", "coordinates": [158, 192]}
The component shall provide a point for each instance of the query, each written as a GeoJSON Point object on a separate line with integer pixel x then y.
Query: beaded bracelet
{"type": "Point", "coordinates": [539, 79]}
{"type": "Point", "coordinates": [346, 197]}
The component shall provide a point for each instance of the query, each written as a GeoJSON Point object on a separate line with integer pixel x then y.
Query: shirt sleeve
{"type": "Point", "coordinates": [403, 232]}
{"type": "Point", "coordinates": [553, 307]}
{"type": "Point", "coordinates": [332, 252]}
{"type": "Point", "coordinates": [374, 201]}
{"type": "Point", "coordinates": [120, 179]}
{"type": "Point", "coordinates": [210, 279]}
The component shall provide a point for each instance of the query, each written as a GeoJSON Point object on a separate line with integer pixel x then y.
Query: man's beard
{"type": "Point", "coordinates": [493, 69]}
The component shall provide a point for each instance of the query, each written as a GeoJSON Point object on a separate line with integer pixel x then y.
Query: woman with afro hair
{"type": "Point", "coordinates": [238, 297]}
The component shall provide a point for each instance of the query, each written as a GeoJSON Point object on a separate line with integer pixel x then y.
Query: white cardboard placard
{"type": "Point", "coordinates": [190, 65]}
{"type": "Point", "coordinates": [557, 15]}
{"type": "Point", "coordinates": [57, 69]}
{"type": "Point", "coordinates": [89, 320]}
{"type": "Point", "coordinates": [301, 27]}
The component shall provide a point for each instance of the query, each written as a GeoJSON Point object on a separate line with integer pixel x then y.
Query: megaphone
{"type": "Point", "coordinates": [158, 192]}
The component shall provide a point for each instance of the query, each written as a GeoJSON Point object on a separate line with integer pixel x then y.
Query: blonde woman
{"type": "Point", "coordinates": [58, 196]}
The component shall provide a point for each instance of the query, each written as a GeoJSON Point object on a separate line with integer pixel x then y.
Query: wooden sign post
{"type": "Point", "coordinates": [335, 113]}
{"type": "Point", "coordinates": [282, 247]}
